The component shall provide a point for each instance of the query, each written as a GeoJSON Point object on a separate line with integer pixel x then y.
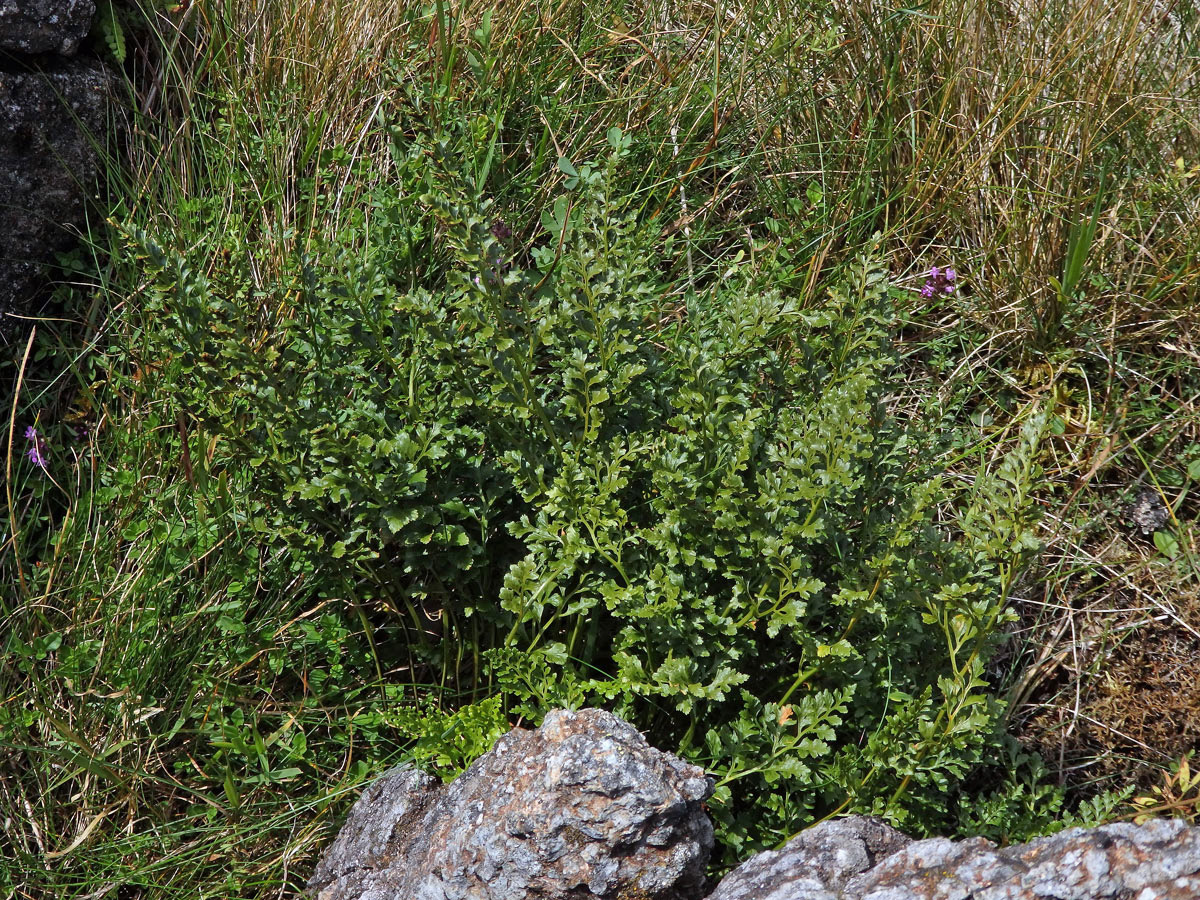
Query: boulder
{"type": "Point", "coordinates": [861, 858]}
{"type": "Point", "coordinates": [44, 26]}
{"type": "Point", "coordinates": [49, 121]}
{"type": "Point", "coordinates": [584, 808]}
{"type": "Point", "coordinates": [580, 808]}
{"type": "Point", "coordinates": [816, 864]}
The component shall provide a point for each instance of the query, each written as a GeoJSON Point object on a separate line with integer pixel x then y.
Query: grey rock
{"type": "Point", "coordinates": [580, 808]}
{"type": "Point", "coordinates": [44, 26]}
{"type": "Point", "coordinates": [862, 859]}
{"type": "Point", "coordinates": [49, 124]}
{"type": "Point", "coordinates": [816, 864]}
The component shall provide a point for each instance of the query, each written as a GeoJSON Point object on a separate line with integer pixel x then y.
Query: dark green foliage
{"type": "Point", "coordinates": [691, 507]}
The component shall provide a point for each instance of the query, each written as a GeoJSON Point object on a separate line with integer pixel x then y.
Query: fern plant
{"type": "Point", "coordinates": [692, 507]}
{"type": "Point", "coordinates": [117, 20]}
{"type": "Point", "coordinates": [727, 538]}
{"type": "Point", "coordinates": [109, 16]}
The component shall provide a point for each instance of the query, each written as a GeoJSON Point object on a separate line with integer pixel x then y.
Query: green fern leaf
{"type": "Point", "coordinates": [114, 34]}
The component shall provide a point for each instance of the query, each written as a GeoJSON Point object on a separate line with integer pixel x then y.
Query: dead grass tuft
{"type": "Point", "coordinates": [1115, 696]}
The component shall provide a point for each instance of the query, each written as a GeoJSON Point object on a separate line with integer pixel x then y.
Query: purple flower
{"type": "Point", "coordinates": [497, 261]}
{"type": "Point", "coordinates": [36, 453]}
{"type": "Point", "coordinates": [939, 281]}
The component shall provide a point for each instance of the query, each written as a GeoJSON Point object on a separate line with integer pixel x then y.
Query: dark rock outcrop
{"type": "Point", "coordinates": [44, 26]}
{"type": "Point", "coordinates": [52, 112]}
{"type": "Point", "coordinates": [851, 859]}
{"type": "Point", "coordinates": [47, 167]}
{"type": "Point", "coordinates": [580, 808]}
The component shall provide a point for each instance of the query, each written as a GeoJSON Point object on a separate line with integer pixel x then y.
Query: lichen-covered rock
{"type": "Point", "coordinates": [580, 808]}
{"type": "Point", "coordinates": [44, 26]}
{"type": "Point", "coordinates": [862, 859]}
{"type": "Point", "coordinates": [816, 864]}
{"type": "Point", "coordinates": [49, 124]}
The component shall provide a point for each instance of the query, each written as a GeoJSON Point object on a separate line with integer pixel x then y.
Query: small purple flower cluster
{"type": "Point", "coordinates": [501, 231]}
{"type": "Point", "coordinates": [940, 281]}
{"type": "Point", "coordinates": [497, 262]}
{"type": "Point", "coordinates": [36, 453]}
